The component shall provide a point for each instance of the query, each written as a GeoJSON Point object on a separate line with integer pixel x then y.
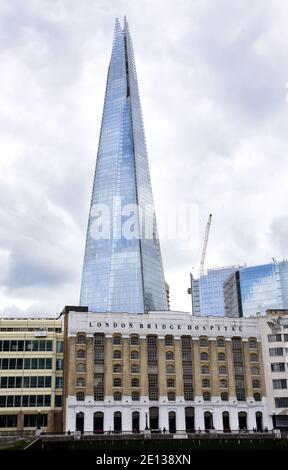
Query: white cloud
{"type": "Point", "coordinates": [212, 79]}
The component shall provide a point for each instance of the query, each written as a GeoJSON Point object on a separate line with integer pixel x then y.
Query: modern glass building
{"type": "Point", "coordinates": [237, 291]}
{"type": "Point", "coordinates": [256, 289]}
{"type": "Point", "coordinates": [122, 270]}
{"type": "Point", "coordinates": [207, 291]}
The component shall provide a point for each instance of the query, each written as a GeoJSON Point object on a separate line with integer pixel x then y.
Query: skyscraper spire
{"type": "Point", "coordinates": [122, 269]}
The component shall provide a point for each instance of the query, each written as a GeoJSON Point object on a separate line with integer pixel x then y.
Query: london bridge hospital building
{"type": "Point", "coordinates": [162, 371]}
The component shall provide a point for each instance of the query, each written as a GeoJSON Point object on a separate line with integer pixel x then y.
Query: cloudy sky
{"type": "Point", "coordinates": [213, 81]}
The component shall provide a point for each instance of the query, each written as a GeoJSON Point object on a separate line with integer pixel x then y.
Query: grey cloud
{"type": "Point", "coordinates": [212, 81]}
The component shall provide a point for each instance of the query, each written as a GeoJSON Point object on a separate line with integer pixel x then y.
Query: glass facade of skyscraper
{"type": "Point", "coordinates": [122, 270]}
{"type": "Point", "coordinates": [259, 288]}
{"type": "Point", "coordinates": [207, 291]}
{"type": "Point", "coordinates": [240, 291]}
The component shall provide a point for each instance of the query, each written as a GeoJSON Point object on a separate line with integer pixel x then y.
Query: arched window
{"type": "Point", "coordinates": [257, 396]}
{"type": "Point", "coordinates": [81, 354]}
{"type": "Point", "coordinates": [169, 355]}
{"type": "Point", "coordinates": [171, 396]}
{"type": "Point", "coordinates": [256, 383]}
{"type": "Point", "coordinates": [222, 370]}
{"type": "Point", "coordinates": [117, 354]}
{"type": "Point", "coordinates": [135, 383]}
{"type": "Point", "coordinates": [170, 383]}
{"type": "Point", "coordinates": [254, 371]}
{"type": "Point", "coordinates": [117, 339]}
{"type": "Point", "coordinates": [80, 382]}
{"type": "Point", "coordinates": [252, 343]}
{"type": "Point", "coordinates": [80, 396]}
{"type": "Point", "coordinates": [221, 356]}
{"type": "Point", "coordinates": [81, 339]}
{"type": "Point", "coordinates": [204, 356]}
{"type": "Point", "coordinates": [253, 358]}
{"type": "Point", "coordinates": [117, 396]}
{"type": "Point", "coordinates": [170, 369]}
{"type": "Point", "coordinates": [117, 368]}
{"type": "Point", "coordinates": [134, 340]}
{"type": "Point", "coordinates": [206, 383]}
{"type": "Point", "coordinates": [81, 367]}
{"type": "Point", "coordinates": [117, 382]}
{"type": "Point", "coordinates": [135, 369]}
{"type": "Point", "coordinates": [169, 340]}
{"type": "Point", "coordinates": [224, 396]}
{"type": "Point", "coordinates": [203, 342]}
{"type": "Point", "coordinates": [134, 355]}
{"type": "Point", "coordinates": [204, 370]}
{"type": "Point", "coordinates": [223, 383]}
{"type": "Point", "coordinates": [135, 396]}
{"type": "Point", "coordinates": [206, 396]}
{"type": "Point", "coordinates": [220, 343]}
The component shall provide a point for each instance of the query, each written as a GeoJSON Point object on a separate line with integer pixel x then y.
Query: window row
{"type": "Point", "coordinates": [277, 351]}
{"type": "Point", "coordinates": [28, 345]}
{"type": "Point", "coordinates": [30, 421]}
{"type": "Point", "coordinates": [277, 337]}
{"type": "Point", "coordinates": [26, 382]}
{"type": "Point", "coordinates": [26, 363]}
{"type": "Point", "coordinates": [7, 401]}
{"type": "Point", "coordinates": [278, 367]}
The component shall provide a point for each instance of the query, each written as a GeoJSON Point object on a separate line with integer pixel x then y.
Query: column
{"type": "Point", "coordinates": [251, 418]}
{"type": "Point", "coordinates": [180, 419]}
{"type": "Point", "coordinates": [143, 413]}
{"type": "Point", "coordinates": [217, 418]}
{"type": "Point", "coordinates": [199, 418]}
{"type": "Point", "coordinates": [178, 370]}
{"type": "Point", "coordinates": [230, 370]}
{"type": "Point", "coordinates": [233, 418]}
{"type": "Point", "coordinates": [162, 369]}
{"type": "Point", "coordinates": [214, 374]}
{"type": "Point", "coordinates": [247, 369]}
{"type": "Point", "coordinates": [143, 370]}
{"type": "Point", "coordinates": [108, 368]}
{"type": "Point", "coordinates": [126, 368]}
{"type": "Point", "coordinates": [108, 419]}
{"type": "Point", "coordinates": [20, 421]}
{"type": "Point", "coordinates": [163, 417]}
{"type": "Point", "coordinates": [88, 419]}
{"type": "Point", "coordinates": [126, 419]}
{"type": "Point", "coordinates": [90, 366]}
{"type": "Point", "coordinates": [197, 372]}
{"type": "Point", "coordinates": [70, 420]}
{"type": "Point", "coordinates": [51, 421]}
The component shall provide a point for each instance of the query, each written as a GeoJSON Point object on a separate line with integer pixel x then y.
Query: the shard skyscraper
{"type": "Point", "coordinates": [122, 269]}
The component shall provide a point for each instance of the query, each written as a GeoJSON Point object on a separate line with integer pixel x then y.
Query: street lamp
{"type": "Point", "coordinates": [274, 420]}
{"type": "Point", "coordinates": [146, 421]}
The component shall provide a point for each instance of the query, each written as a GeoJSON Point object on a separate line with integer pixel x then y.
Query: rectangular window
{"type": "Point", "coordinates": [27, 363]}
{"type": "Point", "coordinates": [5, 363]}
{"type": "Point", "coordinates": [4, 382]}
{"type": "Point", "coordinates": [58, 401]}
{"type": "Point", "coordinates": [33, 382]}
{"type": "Point", "coordinates": [25, 400]}
{"type": "Point", "coordinates": [17, 401]}
{"type": "Point", "coordinates": [12, 363]}
{"type": "Point", "coordinates": [26, 382]}
{"type": "Point", "coordinates": [49, 345]}
{"type": "Point", "coordinates": [59, 382]}
{"type": "Point", "coordinates": [276, 352]}
{"type": "Point", "coordinates": [274, 338]}
{"type": "Point", "coordinates": [48, 382]}
{"type": "Point", "coordinates": [41, 363]}
{"type": "Point", "coordinates": [47, 401]}
{"type": "Point", "coordinates": [19, 363]}
{"type": "Point", "coordinates": [59, 364]}
{"type": "Point", "coordinates": [8, 421]}
{"type": "Point", "coordinates": [59, 346]}
{"type": "Point", "coordinates": [42, 345]}
{"type": "Point", "coordinates": [28, 345]}
{"type": "Point", "coordinates": [281, 402]}
{"type": "Point", "coordinates": [279, 384]}
{"type": "Point", "coordinates": [285, 337]}
{"type": "Point", "coordinates": [32, 400]}
{"type": "Point", "coordinates": [48, 363]}
{"type": "Point", "coordinates": [20, 345]}
{"type": "Point", "coordinates": [278, 367]}
{"type": "Point", "coordinates": [18, 382]}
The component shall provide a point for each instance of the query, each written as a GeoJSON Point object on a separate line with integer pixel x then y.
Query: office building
{"type": "Point", "coordinates": [274, 337]}
{"type": "Point", "coordinates": [207, 293]}
{"type": "Point", "coordinates": [162, 370]}
{"type": "Point", "coordinates": [255, 289]}
{"type": "Point", "coordinates": [122, 270]}
{"type": "Point", "coordinates": [31, 374]}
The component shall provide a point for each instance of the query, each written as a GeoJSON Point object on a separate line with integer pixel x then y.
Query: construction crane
{"type": "Point", "coordinates": [204, 245]}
